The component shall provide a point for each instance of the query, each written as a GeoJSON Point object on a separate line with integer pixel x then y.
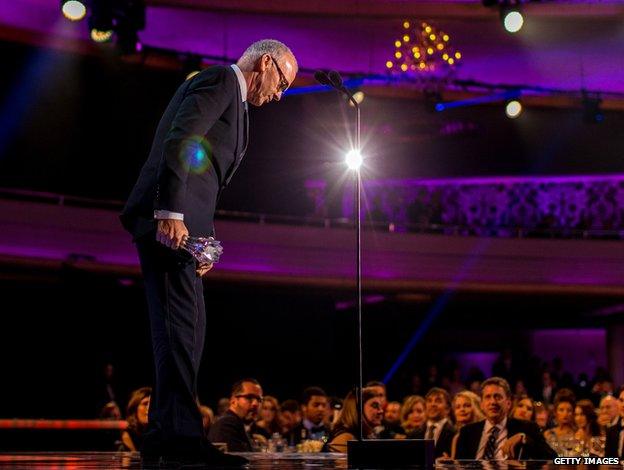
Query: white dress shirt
{"type": "Point", "coordinates": [502, 435]}
{"type": "Point", "coordinates": [437, 430]}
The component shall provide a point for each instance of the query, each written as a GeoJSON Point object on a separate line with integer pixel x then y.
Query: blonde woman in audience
{"type": "Point", "coordinates": [413, 413]}
{"type": "Point", "coordinates": [466, 409]}
{"type": "Point", "coordinates": [136, 415]}
{"type": "Point", "coordinates": [523, 408]}
{"type": "Point", "coordinates": [347, 426]}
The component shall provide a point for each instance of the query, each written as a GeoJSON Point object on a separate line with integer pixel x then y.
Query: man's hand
{"type": "Point", "coordinates": [203, 269]}
{"type": "Point", "coordinates": [171, 233]}
{"type": "Point", "coordinates": [509, 446]}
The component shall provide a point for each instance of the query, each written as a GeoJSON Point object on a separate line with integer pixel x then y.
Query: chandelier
{"type": "Point", "coordinates": [423, 49]}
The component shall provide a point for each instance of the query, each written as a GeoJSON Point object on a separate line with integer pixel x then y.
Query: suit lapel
{"type": "Point", "coordinates": [242, 134]}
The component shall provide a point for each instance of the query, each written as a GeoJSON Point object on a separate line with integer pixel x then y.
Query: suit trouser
{"type": "Point", "coordinates": [178, 322]}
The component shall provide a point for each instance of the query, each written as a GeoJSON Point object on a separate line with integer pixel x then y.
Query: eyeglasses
{"type": "Point", "coordinates": [250, 397]}
{"type": "Point", "coordinates": [283, 84]}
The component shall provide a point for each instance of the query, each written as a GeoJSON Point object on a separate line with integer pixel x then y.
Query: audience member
{"type": "Point", "coordinates": [413, 413]}
{"type": "Point", "coordinates": [563, 432]}
{"type": "Point", "coordinates": [137, 417]}
{"type": "Point", "coordinates": [438, 426]}
{"type": "Point", "coordinates": [267, 424]}
{"type": "Point", "coordinates": [314, 406]}
{"type": "Point", "coordinates": [542, 416]}
{"type": "Point", "coordinates": [499, 436]}
{"type": "Point", "coordinates": [614, 446]}
{"type": "Point", "coordinates": [608, 411]}
{"type": "Point", "coordinates": [347, 427]}
{"type": "Point", "coordinates": [245, 399]}
{"type": "Point", "coordinates": [289, 417]}
{"type": "Point", "coordinates": [586, 421]}
{"type": "Point", "coordinates": [523, 408]}
{"type": "Point", "coordinates": [207, 417]}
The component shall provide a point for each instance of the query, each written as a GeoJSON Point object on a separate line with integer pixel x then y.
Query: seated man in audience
{"type": "Point", "coordinates": [500, 437]}
{"type": "Point", "coordinates": [615, 434]}
{"type": "Point", "coordinates": [314, 406]}
{"type": "Point", "coordinates": [290, 418]}
{"type": "Point", "coordinates": [609, 414]}
{"type": "Point", "coordinates": [438, 426]}
{"type": "Point", "coordinates": [245, 399]}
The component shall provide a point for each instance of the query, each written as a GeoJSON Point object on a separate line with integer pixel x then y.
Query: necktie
{"type": "Point", "coordinates": [490, 446]}
{"type": "Point", "coordinates": [430, 431]}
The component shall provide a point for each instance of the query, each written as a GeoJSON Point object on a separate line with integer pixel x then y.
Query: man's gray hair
{"type": "Point", "coordinates": [274, 48]}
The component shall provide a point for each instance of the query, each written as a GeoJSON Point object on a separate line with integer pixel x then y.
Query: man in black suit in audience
{"type": "Point", "coordinates": [245, 399]}
{"type": "Point", "coordinates": [500, 437]}
{"type": "Point", "coordinates": [199, 143]}
{"type": "Point", "coordinates": [614, 447]}
{"type": "Point", "coordinates": [438, 426]}
{"type": "Point", "coordinates": [315, 406]}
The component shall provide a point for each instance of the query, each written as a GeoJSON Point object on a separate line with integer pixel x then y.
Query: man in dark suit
{"type": "Point", "coordinates": [614, 446]}
{"type": "Point", "coordinates": [199, 143]}
{"type": "Point", "coordinates": [437, 427]}
{"type": "Point", "coordinates": [230, 429]}
{"type": "Point", "coordinates": [500, 437]}
{"type": "Point", "coordinates": [314, 405]}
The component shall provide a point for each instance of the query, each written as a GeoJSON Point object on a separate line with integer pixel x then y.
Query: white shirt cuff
{"type": "Point", "coordinates": [159, 214]}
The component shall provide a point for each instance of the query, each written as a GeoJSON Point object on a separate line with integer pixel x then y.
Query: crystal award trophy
{"type": "Point", "coordinates": [204, 250]}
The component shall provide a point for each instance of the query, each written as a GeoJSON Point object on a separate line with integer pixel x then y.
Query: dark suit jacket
{"type": "Point", "coordinates": [443, 443]}
{"type": "Point", "coordinates": [198, 145]}
{"type": "Point", "coordinates": [535, 448]}
{"type": "Point", "coordinates": [230, 429]}
{"type": "Point", "coordinates": [613, 440]}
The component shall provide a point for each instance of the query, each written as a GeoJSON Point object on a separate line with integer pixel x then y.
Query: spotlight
{"type": "Point", "coordinates": [512, 19]}
{"type": "Point", "coordinates": [358, 96]}
{"type": "Point", "coordinates": [513, 109]}
{"type": "Point", "coordinates": [354, 159]}
{"type": "Point", "coordinates": [73, 10]}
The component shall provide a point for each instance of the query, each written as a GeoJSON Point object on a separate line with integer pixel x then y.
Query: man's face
{"type": "Point", "coordinates": [245, 404]}
{"type": "Point", "coordinates": [621, 403]}
{"type": "Point", "coordinates": [436, 407]}
{"type": "Point", "coordinates": [495, 403]}
{"type": "Point", "coordinates": [393, 412]}
{"type": "Point", "coordinates": [315, 409]}
{"type": "Point", "coordinates": [289, 419]}
{"type": "Point", "coordinates": [274, 76]}
{"type": "Point", "coordinates": [608, 408]}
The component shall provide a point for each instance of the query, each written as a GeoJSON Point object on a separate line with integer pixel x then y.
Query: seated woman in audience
{"type": "Point", "coordinates": [347, 427]}
{"type": "Point", "coordinates": [541, 415]}
{"type": "Point", "coordinates": [412, 413]}
{"type": "Point", "coordinates": [466, 407]}
{"type": "Point", "coordinates": [523, 408]}
{"type": "Point", "coordinates": [586, 421]}
{"type": "Point", "coordinates": [561, 436]}
{"type": "Point", "coordinates": [267, 424]}
{"type": "Point", "coordinates": [136, 414]}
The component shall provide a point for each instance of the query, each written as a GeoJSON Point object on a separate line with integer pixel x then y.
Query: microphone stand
{"type": "Point", "coordinates": [333, 79]}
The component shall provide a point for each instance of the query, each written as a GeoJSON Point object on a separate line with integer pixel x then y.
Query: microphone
{"type": "Point", "coordinates": [335, 79]}
{"type": "Point", "coordinates": [322, 78]}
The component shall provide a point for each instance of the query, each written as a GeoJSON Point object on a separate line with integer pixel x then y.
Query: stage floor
{"type": "Point", "coordinates": [258, 461]}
